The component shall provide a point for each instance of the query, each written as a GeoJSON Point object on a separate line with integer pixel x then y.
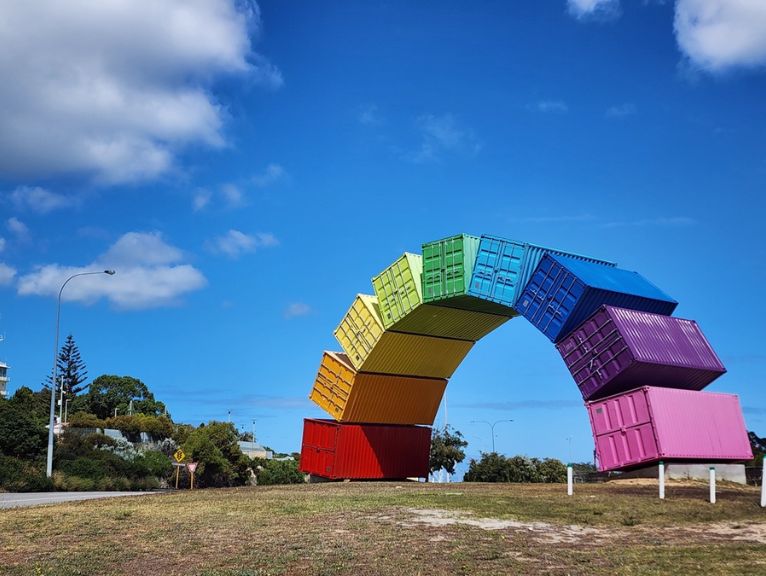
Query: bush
{"type": "Point", "coordinates": [493, 467]}
{"type": "Point", "coordinates": [280, 472]}
{"type": "Point", "coordinates": [20, 476]}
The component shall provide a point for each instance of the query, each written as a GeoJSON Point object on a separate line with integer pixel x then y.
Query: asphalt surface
{"type": "Point", "coordinates": [20, 499]}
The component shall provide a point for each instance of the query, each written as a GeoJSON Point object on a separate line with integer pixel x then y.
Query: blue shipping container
{"type": "Point", "coordinates": [564, 292]}
{"type": "Point", "coordinates": [503, 268]}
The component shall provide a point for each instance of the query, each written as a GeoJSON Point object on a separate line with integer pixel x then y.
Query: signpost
{"type": "Point", "coordinates": [179, 456]}
{"type": "Point", "coordinates": [192, 466]}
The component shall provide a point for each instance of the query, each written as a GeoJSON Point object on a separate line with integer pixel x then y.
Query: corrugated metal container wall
{"type": "Point", "coordinates": [398, 289]}
{"type": "Point", "coordinates": [618, 349]}
{"type": "Point", "coordinates": [350, 396]}
{"type": "Point", "coordinates": [364, 451]}
{"type": "Point", "coordinates": [447, 268]}
{"type": "Point", "coordinates": [563, 292]}
{"type": "Point", "coordinates": [651, 424]}
{"type": "Point", "coordinates": [371, 349]}
{"type": "Point", "coordinates": [415, 355]}
{"type": "Point", "coordinates": [503, 268]}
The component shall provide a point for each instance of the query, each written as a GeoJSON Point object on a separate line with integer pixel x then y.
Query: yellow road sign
{"type": "Point", "coordinates": [179, 455]}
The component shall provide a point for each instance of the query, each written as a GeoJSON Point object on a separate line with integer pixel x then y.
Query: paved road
{"type": "Point", "coordinates": [18, 499]}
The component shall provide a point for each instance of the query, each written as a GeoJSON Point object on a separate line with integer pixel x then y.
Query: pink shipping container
{"type": "Point", "coordinates": [338, 450]}
{"type": "Point", "coordinates": [618, 349]}
{"type": "Point", "coordinates": [649, 424]}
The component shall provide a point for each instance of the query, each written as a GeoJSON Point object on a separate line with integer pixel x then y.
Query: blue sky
{"type": "Point", "coordinates": [248, 168]}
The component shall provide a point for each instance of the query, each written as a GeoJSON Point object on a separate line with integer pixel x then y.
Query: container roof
{"type": "Point", "coordinates": [614, 279]}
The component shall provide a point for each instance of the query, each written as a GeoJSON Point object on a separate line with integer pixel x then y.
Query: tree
{"type": "Point", "coordinates": [758, 446]}
{"type": "Point", "coordinates": [221, 462]}
{"type": "Point", "coordinates": [446, 449]}
{"type": "Point", "coordinates": [72, 373]}
{"type": "Point", "coordinates": [279, 472]}
{"type": "Point", "coordinates": [108, 393]}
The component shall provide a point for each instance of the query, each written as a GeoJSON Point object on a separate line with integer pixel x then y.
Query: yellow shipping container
{"type": "Point", "coordinates": [370, 348]}
{"type": "Point", "coordinates": [351, 396]}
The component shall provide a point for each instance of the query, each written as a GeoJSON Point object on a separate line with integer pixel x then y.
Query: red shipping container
{"type": "Point", "coordinates": [338, 450]}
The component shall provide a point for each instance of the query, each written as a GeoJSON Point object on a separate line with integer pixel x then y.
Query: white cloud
{"type": "Point", "coordinates": [297, 309]}
{"type": "Point", "coordinates": [39, 199]}
{"type": "Point", "coordinates": [621, 110]}
{"type": "Point", "coordinates": [552, 107]}
{"type": "Point", "coordinates": [150, 273]}
{"type": "Point", "coordinates": [664, 221]}
{"type": "Point", "coordinates": [232, 195]}
{"type": "Point", "coordinates": [113, 89]}
{"type": "Point", "coordinates": [594, 9]}
{"type": "Point", "coordinates": [442, 135]}
{"type": "Point", "coordinates": [201, 199]}
{"type": "Point", "coordinates": [6, 274]}
{"type": "Point", "coordinates": [17, 227]}
{"type": "Point", "coordinates": [369, 115]}
{"type": "Point", "coordinates": [235, 243]}
{"type": "Point", "coordinates": [717, 35]}
{"type": "Point", "coordinates": [271, 175]}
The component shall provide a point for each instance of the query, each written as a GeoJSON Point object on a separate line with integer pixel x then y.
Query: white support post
{"type": "Point", "coordinates": [763, 485]}
{"type": "Point", "coordinates": [712, 484]}
{"type": "Point", "coordinates": [662, 480]}
{"type": "Point", "coordinates": [570, 488]}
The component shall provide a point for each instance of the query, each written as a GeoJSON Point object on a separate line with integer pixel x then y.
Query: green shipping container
{"type": "Point", "coordinates": [399, 292]}
{"type": "Point", "coordinates": [447, 268]}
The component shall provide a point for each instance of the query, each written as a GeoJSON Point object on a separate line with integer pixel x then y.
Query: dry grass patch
{"type": "Point", "coordinates": [392, 529]}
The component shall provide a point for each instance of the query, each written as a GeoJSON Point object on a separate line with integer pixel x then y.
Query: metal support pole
{"type": "Point", "coordinates": [712, 484]}
{"type": "Point", "coordinates": [662, 480]}
{"type": "Point", "coordinates": [52, 416]}
{"type": "Point", "coordinates": [763, 485]}
{"type": "Point", "coordinates": [570, 479]}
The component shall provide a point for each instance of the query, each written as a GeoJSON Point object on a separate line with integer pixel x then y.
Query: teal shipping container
{"type": "Point", "coordinates": [447, 269]}
{"type": "Point", "coordinates": [503, 268]}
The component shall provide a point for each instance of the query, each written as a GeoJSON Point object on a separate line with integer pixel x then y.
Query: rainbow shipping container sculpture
{"type": "Point", "coordinates": [639, 370]}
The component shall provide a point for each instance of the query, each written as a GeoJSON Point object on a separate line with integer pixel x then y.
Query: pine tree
{"type": "Point", "coordinates": [71, 371]}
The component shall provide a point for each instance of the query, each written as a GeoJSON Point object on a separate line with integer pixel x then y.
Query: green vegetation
{"type": "Point", "coordinates": [391, 529]}
{"type": "Point", "coordinates": [493, 467]}
{"type": "Point", "coordinates": [446, 449]}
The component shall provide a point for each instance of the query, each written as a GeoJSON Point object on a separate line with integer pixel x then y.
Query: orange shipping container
{"type": "Point", "coordinates": [351, 396]}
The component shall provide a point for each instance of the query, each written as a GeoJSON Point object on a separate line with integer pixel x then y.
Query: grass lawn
{"type": "Point", "coordinates": [394, 529]}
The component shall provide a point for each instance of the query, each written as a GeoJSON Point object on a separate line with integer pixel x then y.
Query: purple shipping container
{"type": "Point", "coordinates": [649, 424]}
{"type": "Point", "coordinates": [618, 349]}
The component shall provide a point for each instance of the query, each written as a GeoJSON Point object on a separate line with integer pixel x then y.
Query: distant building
{"type": "Point", "coordinates": [253, 450]}
{"type": "Point", "coordinates": [3, 379]}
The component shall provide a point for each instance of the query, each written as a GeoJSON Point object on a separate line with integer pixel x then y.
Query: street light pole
{"type": "Point", "coordinates": [52, 419]}
{"type": "Point", "coordinates": [491, 427]}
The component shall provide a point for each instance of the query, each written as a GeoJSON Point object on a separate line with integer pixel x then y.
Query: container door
{"type": "Point", "coordinates": [626, 447]}
{"type": "Point", "coordinates": [495, 275]}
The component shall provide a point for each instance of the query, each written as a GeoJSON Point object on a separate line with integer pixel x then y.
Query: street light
{"type": "Point", "coordinates": [491, 427]}
{"type": "Point", "coordinates": [51, 420]}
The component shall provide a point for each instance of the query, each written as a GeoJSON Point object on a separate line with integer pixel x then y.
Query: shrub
{"type": "Point", "coordinates": [280, 472]}
{"type": "Point", "coordinates": [493, 467]}
{"type": "Point", "coordinates": [20, 476]}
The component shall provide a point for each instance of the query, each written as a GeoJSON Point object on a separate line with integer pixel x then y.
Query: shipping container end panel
{"type": "Point", "coordinates": [360, 329]}
{"type": "Point", "coordinates": [398, 288]}
{"type": "Point", "coordinates": [495, 274]}
{"type": "Point", "coordinates": [447, 267]}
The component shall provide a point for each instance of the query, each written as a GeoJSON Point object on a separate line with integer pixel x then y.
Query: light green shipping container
{"type": "Point", "coordinates": [447, 268]}
{"type": "Point", "coordinates": [400, 298]}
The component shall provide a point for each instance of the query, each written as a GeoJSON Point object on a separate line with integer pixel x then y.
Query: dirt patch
{"type": "Point", "coordinates": [542, 532]}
